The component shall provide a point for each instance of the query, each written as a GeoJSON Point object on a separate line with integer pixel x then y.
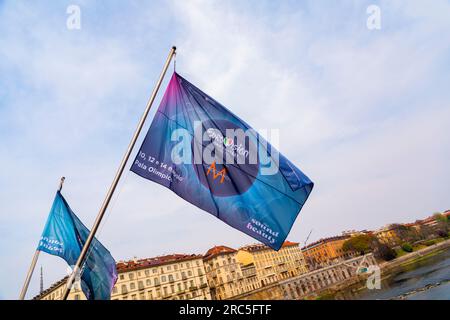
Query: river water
{"type": "Point", "coordinates": [428, 279]}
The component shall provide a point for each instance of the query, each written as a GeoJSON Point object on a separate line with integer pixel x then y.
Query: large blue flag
{"type": "Point", "coordinates": [64, 235]}
{"type": "Point", "coordinates": [211, 158]}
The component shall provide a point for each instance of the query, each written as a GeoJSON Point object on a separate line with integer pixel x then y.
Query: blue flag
{"type": "Point", "coordinates": [214, 160]}
{"type": "Point", "coordinates": [64, 235]}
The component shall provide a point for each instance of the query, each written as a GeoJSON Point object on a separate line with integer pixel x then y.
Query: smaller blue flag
{"type": "Point", "coordinates": [64, 235]}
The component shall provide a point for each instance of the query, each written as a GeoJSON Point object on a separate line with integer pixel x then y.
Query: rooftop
{"type": "Point", "coordinates": [135, 264]}
{"type": "Point", "coordinates": [259, 246]}
{"type": "Point", "coordinates": [51, 288]}
{"type": "Point", "coordinates": [218, 250]}
{"type": "Point", "coordinates": [325, 240]}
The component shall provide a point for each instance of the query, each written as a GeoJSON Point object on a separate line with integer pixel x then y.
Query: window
{"type": "Point", "coordinates": [132, 286]}
{"type": "Point", "coordinates": [124, 288]}
{"type": "Point", "coordinates": [140, 285]}
{"type": "Point", "coordinates": [170, 277]}
{"type": "Point", "coordinates": [156, 281]}
{"type": "Point", "coordinates": [149, 282]}
{"type": "Point", "coordinates": [115, 289]}
{"type": "Point", "coordinates": [147, 272]}
{"type": "Point", "coordinates": [121, 277]}
{"type": "Point", "coordinates": [77, 297]}
{"type": "Point", "coordinates": [189, 273]}
{"type": "Point", "coordinates": [163, 279]}
{"type": "Point", "coordinates": [131, 276]}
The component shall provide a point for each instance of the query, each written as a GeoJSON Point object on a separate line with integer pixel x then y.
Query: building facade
{"type": "Point", "coordinates": [271, 266]}
{"type": "Point", "coordinates": [56, 291]}
{"type": "Point", "coordinates": [224, 273]}
{"type": "Point", "coordinates": [324, 278]}
{"type": "Point", "coordinates": [326, 251]}
{"type": "Point", "coordinates": [389, 235]}
{"type": "Point", "coordinates": [171, 277]}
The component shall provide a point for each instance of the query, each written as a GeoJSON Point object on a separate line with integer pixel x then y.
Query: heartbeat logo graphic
{"type": "Point", "coordinates": [216, 174]}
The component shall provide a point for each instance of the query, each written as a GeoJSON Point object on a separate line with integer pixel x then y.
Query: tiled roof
{"type": "Point", "coordinates": [259, 246]}
{"type": "Point", "coordinates": [289, 244]}
{"type": "Point", "coordinates": [217, 250]}
{"type": "Point", "coordinates": [325, 240]}
{"type": "Point", "coordinates": [124, 266]}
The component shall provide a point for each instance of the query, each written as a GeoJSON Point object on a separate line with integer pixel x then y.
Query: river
{"type": "Point", "coordinates": [428, 279]}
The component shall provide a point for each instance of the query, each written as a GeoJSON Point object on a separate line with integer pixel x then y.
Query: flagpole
{"type": "Point", "coordinates": [34, 260]}
{"type": "Point", "coordinates": [119, 172]}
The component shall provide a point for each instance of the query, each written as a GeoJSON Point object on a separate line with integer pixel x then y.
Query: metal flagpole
{"type": "Point", "coordinates": [119, 172]}
{"type": "Point", "coordinates": [34, 260]}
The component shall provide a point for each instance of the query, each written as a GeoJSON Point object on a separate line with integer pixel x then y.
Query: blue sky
{"type": "Point", "coordinates": [365, 113]}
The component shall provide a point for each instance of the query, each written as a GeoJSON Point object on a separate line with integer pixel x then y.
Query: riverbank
{"type": "Point", "coordinates": [403, 264]}
{"type": "Point", "coordinates": [413, 257]}
{"type": "Point", "coordinates": [348, 279]}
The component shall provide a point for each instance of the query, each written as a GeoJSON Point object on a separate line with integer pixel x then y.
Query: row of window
{"type": "Point", "coordinates": [166, 293]}
{"type": "Point", "coordinates": [165, 278]}
{"type": "Point", "coordinates": [148, 283]}
{"type": "Point", "coordinates": [163, 269]}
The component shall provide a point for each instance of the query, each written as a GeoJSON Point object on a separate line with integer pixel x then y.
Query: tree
{"type": "Point", "coordinates": [384, 252]}
{"type": "Point", "coordinates": [426, 232]}
{"type": "Point", "coordinates": [360, 243]}
{"type": "Point", "coordinates": [407, 247]}
{"type": "Point", "coordinates": [442, 234]}
{"type": "Point", "coordinates": [441, 223]}
{"type": "Point", "coordinates": [405, 233]}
